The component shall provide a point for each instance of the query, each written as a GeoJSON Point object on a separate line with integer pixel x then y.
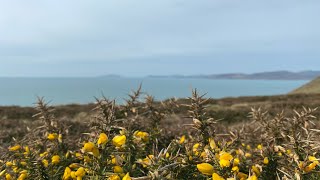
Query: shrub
{"type": "Point", "coordinates": [128, 142]}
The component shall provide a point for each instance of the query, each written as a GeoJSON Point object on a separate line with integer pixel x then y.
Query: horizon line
{"type": "Point", "coordinates": [155, 75]}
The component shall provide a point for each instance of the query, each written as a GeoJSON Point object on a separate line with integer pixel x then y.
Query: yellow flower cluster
{"type": "Point", "coordinates": [224, 159]}
{"type": "Point", "coordinates": [74, 175]}
{"type": "Point", "coordinates": [309, 166]}
{"type": "Point", "coordinates": [140, 135]}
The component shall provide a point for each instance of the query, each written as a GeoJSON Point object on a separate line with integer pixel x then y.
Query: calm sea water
{"type": "Point", "coordinates": [24, 91]}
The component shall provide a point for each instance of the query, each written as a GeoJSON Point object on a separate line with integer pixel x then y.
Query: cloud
{"type": "Point", "coordinates": [113, 30]}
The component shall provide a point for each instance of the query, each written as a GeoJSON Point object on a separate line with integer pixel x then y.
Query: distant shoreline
{"type": "Point", "coordinates": [270, 75]}
{"type": "Point", "coordinates": [273, 75]}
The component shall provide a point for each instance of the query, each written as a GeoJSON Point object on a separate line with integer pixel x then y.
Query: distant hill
{"type": "Point", "coordinates": [110, 76]}
{"type": "Point", "coordinates": [275, 75]}
{"type": "Point", "coordinates": [312, 87]}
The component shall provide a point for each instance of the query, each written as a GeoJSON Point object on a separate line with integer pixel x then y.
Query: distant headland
{"type": "Point", "coordinates": [273, 75]}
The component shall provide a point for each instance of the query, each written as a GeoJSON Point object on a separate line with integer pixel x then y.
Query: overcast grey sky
{"type": "Point", "coordinates": [141, 37]}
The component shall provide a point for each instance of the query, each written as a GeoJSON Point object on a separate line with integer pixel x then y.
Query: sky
{"type": "Point", "coordinates": [158, 37]}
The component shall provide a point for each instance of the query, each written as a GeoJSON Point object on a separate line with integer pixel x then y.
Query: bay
{"type": "Point", "coordinates": [24, 91]}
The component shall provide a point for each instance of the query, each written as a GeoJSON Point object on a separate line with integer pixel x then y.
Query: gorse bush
{"type": "Point", "coordinates": [128, 142]}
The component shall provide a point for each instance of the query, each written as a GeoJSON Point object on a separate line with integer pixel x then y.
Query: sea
{"type": "Point", "coordinates": [59, 91]}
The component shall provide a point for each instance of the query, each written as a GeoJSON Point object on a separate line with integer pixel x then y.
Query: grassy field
{"type": "Point", "coordinates": [312, 87]}
{"type": "Point", "coordinates": [265, 137]}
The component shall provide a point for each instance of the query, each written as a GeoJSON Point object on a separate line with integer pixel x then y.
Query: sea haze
{"type": "Point", "coordinates": [24, 91]}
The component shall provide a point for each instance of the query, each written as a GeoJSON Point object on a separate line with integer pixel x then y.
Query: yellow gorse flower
{"type": "Point", "coordinates": [74, 165]}
{"type": "Point", "coordinates": [242, 175]}
{"type": "Point", "coordinates": [44, 154]}
{"type": "Point", "coordinates": [86, 159]}
{"type": "Point", "coordinates": [45, 163]}
{"type": "Point", "coordinates": [114, 177]}
{"type": "Point", "coordinates": [78, 155]}
{"type": "Point", "coordinates": [288, 151]}
{"type": "Point", "coordinates": [80, 173]}
{"type": "Point", "coordinates": [195, 148]}
{"type": "Point", "coordinates": [9, 164]}
{"type": "Point", "coordinates": [15, 169]}
{"type": "Point", "coordinates": [266, 160]}
{"type": "Point", "coordinates": [117, 169]}
{"type": "Point", "coordinates": [60, 138]}
{"type": "Point", "coordinates": [236, 161]}
{"type": "Point", "coordinates": [255, 170]}
{"type": "Point", "coordinates": [314, 162]}
{"type": "Point", "coordinates": [91, 148]}
{"type": "Point", "coordinates": [52, 136]}
{"type": "Point", "coordinates": [144, 136]}
{"type": "Point", "coordinates": [248, 155]}
{"type": "Point", "coordinates": [235, 169]}
{"type": "Point", "coordinates": [252, 178]}
{"type": "Point", "coordinates": [224, 159]}
{"type": "Point", "coordinates": [313, 159]}
{"type": "Point", "coordinates": [146, 161]}
{"type": "Point", "coordinates": [26, 150]}
{"type": "Point", "coordinates": [23, 172]}
{"type": "Point", "coordinates": [23, 175]}
{"type": "Point", "coordinates": [126, 177]}
{"type": "Point", "coordinates": [67, 173]}
{"type": "Point", "coordinates": [182, 139]}
{"type": "Point", "coordinates": [119, 140]}
{"type": "Point", "coordinates": [212, 143]}
{"type": "Point", "coordinates": [8, 176]}
{"type": "Point", "coordinates": [116, 160]}
{"type": "Point", "coordinates": [73, 175]}
{"type": "Point", "coordinates": [15, 148]}
{"type": "Point", "coordinates": [55, 159]}
{"type": "Point", "coordinates": [216, 176]}
{"type": "Point", "coordinates": [310, 167]}
{"type": "Point", "coordinates": [88, 147]}
{"type": "Point", "coordinates": [103, 139]}
{"type": "Point", "coordinates": [205, 168]}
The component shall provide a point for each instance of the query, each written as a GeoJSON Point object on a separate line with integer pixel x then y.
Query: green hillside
{"type": "Point", "coordinates": [312, 87]}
